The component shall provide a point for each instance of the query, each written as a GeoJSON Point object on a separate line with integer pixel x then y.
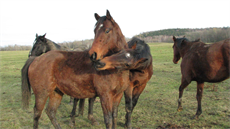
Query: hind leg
{"type": "Point", "coordinates": [54, 101]}
{"type": "Point", "coordinates": [90, 111]}
{"type": "Point", "coordinates": [38, 107]}
{"type": "Point", "coordinates": [73, 113]}
{"type": "Point", "coordinates": [184, 84]}
{"type": "Point", "coordinates": [200, 87]}
{"type": "Point", "coordinates": [81, 107]}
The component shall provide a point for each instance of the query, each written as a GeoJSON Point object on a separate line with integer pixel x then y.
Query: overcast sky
{"type": "Point", "coordinates": [69, 20]}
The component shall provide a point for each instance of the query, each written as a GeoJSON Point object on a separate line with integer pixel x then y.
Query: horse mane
{"type": "Point", "coordinates": [142, 51]}
{"type": "Point", "coordinates": [53, 45]}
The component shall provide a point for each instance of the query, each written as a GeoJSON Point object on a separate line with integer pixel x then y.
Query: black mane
{"type": "Point", "coordinates": [142, 51]}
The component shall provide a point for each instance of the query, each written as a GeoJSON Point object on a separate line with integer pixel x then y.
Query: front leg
{"type": "Point", "coordinates": [128, 106]}
{"type": "Point", "coordinates": [116, 102]}
{"type": "Point", "coordinates": [107, 105]}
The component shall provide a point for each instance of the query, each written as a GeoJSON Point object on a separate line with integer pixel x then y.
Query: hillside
{"type": "Point", "coordinates": [205, 34]}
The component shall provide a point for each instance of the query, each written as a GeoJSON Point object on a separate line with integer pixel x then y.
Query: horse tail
{"type": "Point", "coordinates": [26, 89]}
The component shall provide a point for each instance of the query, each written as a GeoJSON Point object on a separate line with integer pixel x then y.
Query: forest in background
{"type": "Point", "coordinates": [207, 35]}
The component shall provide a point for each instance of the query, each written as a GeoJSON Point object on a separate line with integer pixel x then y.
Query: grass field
{"type": "Point", "coordinates": [156, 108]}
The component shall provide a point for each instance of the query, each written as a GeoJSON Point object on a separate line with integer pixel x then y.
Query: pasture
{"type": "Point", "coordinates": [156, 108]}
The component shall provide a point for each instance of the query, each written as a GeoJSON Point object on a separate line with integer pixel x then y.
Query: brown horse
{"type": "Point", "coordinates": [56, 73]}
{"type": "Point", "coordinates": [201, 63]}
{"type": "Point", "coordinates": [109, 40]}
{"type": "Point", "coordinates": [42, 45]}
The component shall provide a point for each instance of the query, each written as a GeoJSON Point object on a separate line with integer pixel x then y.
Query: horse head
{"type": "Point", "coordinates": [137, 56]}
{"type": "Point", "coordinates": [108, 38]}
{"type": "Point", "coordinates": [39, 46]}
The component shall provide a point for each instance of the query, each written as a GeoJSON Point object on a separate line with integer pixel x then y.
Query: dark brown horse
{"type": "Point", "coordinates": [109, 40]}
{"type": "Point", "coordinates": [42, 45]}
{"type": "Point", "coordinates": [201, 63]}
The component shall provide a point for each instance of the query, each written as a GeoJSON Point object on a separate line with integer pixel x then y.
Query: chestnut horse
{"type": "Point", "coordinates": [109, 40]}
{"type": "Point", "coordinates": [201, 63]}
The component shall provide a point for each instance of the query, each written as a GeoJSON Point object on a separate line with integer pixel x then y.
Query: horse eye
{"type": "Point", "coordinates": [107, 31]}
{"type": "Point", "coordinates": [127, 55]}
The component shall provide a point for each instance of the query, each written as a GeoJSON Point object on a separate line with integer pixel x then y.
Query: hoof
{"type": "Point", "coordinates": [195, 117]}
{"type": "Point", "coordinates": [71, 124]}
{"type": "Point", "coordinates": [94, 122]}
{"type": "Point", "coordinates": [179, 109]}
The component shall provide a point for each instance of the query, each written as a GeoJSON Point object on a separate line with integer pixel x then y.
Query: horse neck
{"type": "Point", "coordinates": [121, 42]}
{"type": "Point", "coordinates": [185, 48]}
{"type": "Point", "coordinates": [52, 45]}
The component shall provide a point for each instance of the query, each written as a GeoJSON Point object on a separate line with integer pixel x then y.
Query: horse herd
{"type": "Point", "coordinates": [110, 68]}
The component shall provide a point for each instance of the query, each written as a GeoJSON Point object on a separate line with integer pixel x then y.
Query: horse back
{"type": "Point", "coordinates": [207, 62]}
{"type": "Point", "coordinates": [70, 72]}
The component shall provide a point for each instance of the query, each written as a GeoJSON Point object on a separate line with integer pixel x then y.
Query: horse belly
{"type": "Point", "coordinates": [78, 86]}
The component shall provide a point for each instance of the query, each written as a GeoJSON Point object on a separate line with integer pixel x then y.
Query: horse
{"type": "Point", "coordinates": [109, 40]}
{"type": "Point", "coordinates": [42, 45]}
{"type": "Point", "coordinates": [201, 63]}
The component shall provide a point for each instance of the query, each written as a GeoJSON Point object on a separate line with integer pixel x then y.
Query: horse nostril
{"type": "Point", "coordinates": [99, 65]}
{"type": "Point", "coordinates": [93, 56]}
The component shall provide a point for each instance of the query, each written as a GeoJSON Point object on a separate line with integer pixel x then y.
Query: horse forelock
{"type": "Point", "coordinates": [99, 22]}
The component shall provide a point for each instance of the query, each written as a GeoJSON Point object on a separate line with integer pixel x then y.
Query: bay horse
{"type": "Point", "coordinates": [109, 40]}
{"type": "Point", "coordinates": [42, 45]}
{"type": "Point", "coordinates": [201, 63]}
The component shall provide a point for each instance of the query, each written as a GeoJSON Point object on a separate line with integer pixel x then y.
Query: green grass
{"type": "Point", "coordinates": [157, 105]}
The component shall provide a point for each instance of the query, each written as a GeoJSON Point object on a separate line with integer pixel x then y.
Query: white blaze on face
{"type": "Point", "coordinates": [127, 55]}
{"type": "Point", "coordinates": [100, 26]}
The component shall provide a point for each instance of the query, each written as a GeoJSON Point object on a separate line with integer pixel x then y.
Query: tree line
{"type": "Point", "coordinates": [207, 35]}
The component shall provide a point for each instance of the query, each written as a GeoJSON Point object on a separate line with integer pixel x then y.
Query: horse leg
{"type": "Point", "coordinates": [128, 105]}
{"type": "Point", "coordinates": [90, 111]}
{"type": "Point", "coordinates": [200, 87]}
{"type": "Point", "coordinates": [184, 84]}
{"type": "Point", "coordinates": [73, 113]}
{"type": "Point", "coordinates": [106, 104]}
{"type": "Point", "coordinates": [38, 107]}
{"type": "Point", "coordinates": [81, 107]}
{"type": "Point", "coordinates": [116, 102]}
{"type": "Point", "coordinates": [54, 101]}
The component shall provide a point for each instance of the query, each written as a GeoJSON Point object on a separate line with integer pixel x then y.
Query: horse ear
{"type": "Point", "coordinates": [174, 38]}
{"type": "Point", "coordinates": [134, 46]}
{"type": "Point", "coordinates": [108, 16]}
{"type": "Point", "coordinates": [36, 35]}
{"type": "Point", "coordinates": [96, 16]}
{"type": "Point", "coordinates": [44, 35]}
